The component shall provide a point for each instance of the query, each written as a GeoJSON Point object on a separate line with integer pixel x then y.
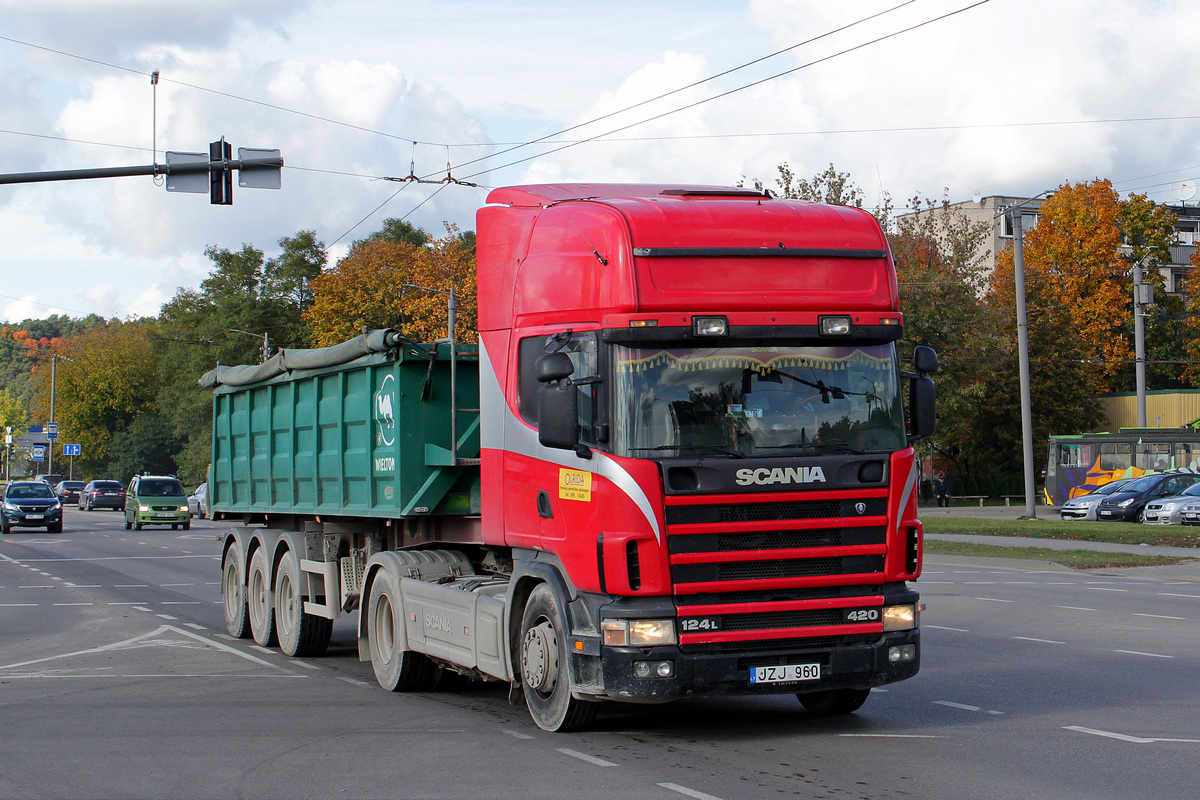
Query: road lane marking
{"type": "Point", "coordinates": [1076, 608]}
{"type": "Point", "coordinates": [1124, 737]}
{"type": "Point", "coordinates": [166, 616]}
{"type": "Point", "coordinates": [1137, 653]}
{"type": "Point", "coordinates": [599, 762]}
{"type": "Point", "coordinates": [995, 600]}
{"type": "Point", "coordinates": [129, 586]}
{"type": "Point", "coordinates": [84, 585]}
{"type": "Point", "coordinates": [1043, 641]}
{"type": "Point", "coordinates": [889, 736]}
{"type": "Point", "coordinates": [195, 627]}
{"type": "Point", "coordinates": [1105, 589]}
{"type": "Point", "coordinates": [515, 734]}
{"type": "Point", "coordinates": [304, 664]}
{"type": "Point", "coordinates": [686, 792]}
{"type": "Point", "coordinates": [1158, 616]}
{"type": "Point", "coordinates": [1169, 594]}
{"type": "Point", "coordinates": [965, 707]}
{"type": "Point", "coordinates": [74, 604]}
{"type": "Point", "coordinates": [141, 608]}
{"type": "Point", "coordinates": [260, 649]}
{"type": "Point", "coordinates": [180, 602]}
{"type": "Point", "coordinates": [170, 585]}
{"type": "Point", "coordinates": [18, 605]}
{"type": "Point", "coordinates": [127, 643]}
{"type": "Point", "coordinates": [352, 681]}
{"type": "Point", "coordinates": [945, 628]}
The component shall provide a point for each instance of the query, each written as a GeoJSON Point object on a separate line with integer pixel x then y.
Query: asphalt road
{"type": "Point", "coordinates": [116, 680]}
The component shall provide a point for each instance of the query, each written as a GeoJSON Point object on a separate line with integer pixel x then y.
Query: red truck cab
{"type": "Point", "coordinates": [693, 432]}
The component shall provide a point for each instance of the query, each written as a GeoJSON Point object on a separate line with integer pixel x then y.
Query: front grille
{"type": "Point", "coordinates": [164, 508]}
{"type": "Point", "coordinates": [782, 619]}
{"type": "Point", "coordinates": [717, 554]}
{"type": "Point", "coordinates": [775, 512]}
{"type": "Point", "coordinates": [784, 568]}
{"type": "Point", "coordinates": [777, 540]}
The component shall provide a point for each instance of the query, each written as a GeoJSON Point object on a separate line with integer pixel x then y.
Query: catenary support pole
{"type": "Point", "coordinates": [1023, 348]}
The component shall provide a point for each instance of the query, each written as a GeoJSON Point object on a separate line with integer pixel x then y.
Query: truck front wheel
{"type": "Point", "coordinates": [300, 633]}
{"type": "Point", "coordinates": [258, 599]}
{"type": "Point", "coordinates": [833, 702]}
{"type": "Point", "coordinates": [397, 668]}
{"type": "Point", "coordinates": [545, 677]}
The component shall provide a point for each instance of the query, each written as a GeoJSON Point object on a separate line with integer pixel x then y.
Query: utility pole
{"type": "Point", "coordinates": [1143, 295]}
{"type": "Point", "coordinates": [1023, 352]}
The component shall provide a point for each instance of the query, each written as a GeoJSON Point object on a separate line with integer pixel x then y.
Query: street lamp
{"type": "Point", "coordinates": [266, 341]}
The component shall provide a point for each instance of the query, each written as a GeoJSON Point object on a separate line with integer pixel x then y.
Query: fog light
{"type": "Point", "coordinates": [653, 669]}
{"type": "Point", "coordinates": [835, 326]}
{"type": "Point", "coordinates": [903, 652]}
{"type": "Point", "coordinates": [709, 326]}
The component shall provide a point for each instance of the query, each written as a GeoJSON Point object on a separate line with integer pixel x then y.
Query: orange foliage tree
{"type": "Point", "coordinates": [1075, 276]}
{"type": "Point", "coordinates": [367, 288]}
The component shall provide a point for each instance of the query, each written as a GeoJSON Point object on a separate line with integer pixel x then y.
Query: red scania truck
{"type": "Point", "coordinates": [677, 463]}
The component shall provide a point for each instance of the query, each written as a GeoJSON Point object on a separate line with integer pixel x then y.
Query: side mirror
{"type": "Point", "coordinates": [923, 398]}
{"type": "Point", "coordinates": [558, 414]}
{"type": "Point", "coordinates": [925, 360]}
{"type": "Point", "coordinates": [553, 367]}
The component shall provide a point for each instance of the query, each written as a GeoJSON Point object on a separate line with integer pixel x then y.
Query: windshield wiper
{"type": "Point", "coordinates": [834, 445]}
{"type": "Point", "coordinates": [717, 449]}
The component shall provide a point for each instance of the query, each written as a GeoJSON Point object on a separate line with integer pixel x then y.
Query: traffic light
{"type": "Point", "coordinates": [220, 175]}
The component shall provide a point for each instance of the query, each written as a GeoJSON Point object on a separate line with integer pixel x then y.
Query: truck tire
{"type": "Point", "coordinates": [545, 677]}
{"type": "Point", "coordinates": [233, 593]}
{"type": "Point", "coordinates": [300, 633]}
{"type": "Point", "coordinates": [397, 669]}
{"type": "Point", "coordinates": [258, 599]}
{"type": "Point", "coordinates": [833, 702]}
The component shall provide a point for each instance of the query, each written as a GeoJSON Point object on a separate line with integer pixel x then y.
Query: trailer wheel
{"type": "Point", "coordinates": [833, 702]}
{"type": "Point", "coordinates": [258, 599]}
{"type": "Point", "coordinates": [396, 668]}
{"type": "Point", "coordinates": [300, 633]}
{"type": "Point", "coordinates": [545, 678]}
{"type": "Point", "coordinates": [233, 592]}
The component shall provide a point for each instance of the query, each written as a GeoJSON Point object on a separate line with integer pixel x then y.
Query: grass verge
{"type": "Point", "coordinates": [1075, 559]}
{"type": "Point", "coordinates": [1076, 530]}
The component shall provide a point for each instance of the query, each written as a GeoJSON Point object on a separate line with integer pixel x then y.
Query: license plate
{"type": "Point", "coordinates": [165, 514]}
{"type": "Point", "coordinates": [34, 516]}
{"type": "Point", "coordinates": [787, 673]}
{"type": "Point", "coordinates": [1105, 513]}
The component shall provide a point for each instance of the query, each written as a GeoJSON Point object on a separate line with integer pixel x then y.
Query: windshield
{"type": "Point", "coordinates": [161, 488]}
{"type": "Point", "coordinates": [756, 401]}
{"type": "Point", "coordinates": [1141, 484]}
{"type": "Point", "coordinates": [30, 491]}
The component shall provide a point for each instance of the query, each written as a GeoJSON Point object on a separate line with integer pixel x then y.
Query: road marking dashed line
{"type": "Point", "coordinates": [599, 762]}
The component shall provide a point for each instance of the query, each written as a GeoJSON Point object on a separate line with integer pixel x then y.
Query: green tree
{"type": "Point", "coordinates": [200, 328]}
{"type": "Point", "coordinates": [147, 446]}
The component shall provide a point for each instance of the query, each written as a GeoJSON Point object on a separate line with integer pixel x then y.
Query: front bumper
{"type": "Point", "coordinates": [1117, 514]}
{"type": "Point", "coordinates": [161, 517]}
{"type": "Point", "coordinates": [855, 665]}
{"type": "Point", "coordinates": [25, 519]}
{"type": "Point", "coordinates": [1072, 512]}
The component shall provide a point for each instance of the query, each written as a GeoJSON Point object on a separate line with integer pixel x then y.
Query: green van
{"type": "Point", "coordinates": [156, 500]}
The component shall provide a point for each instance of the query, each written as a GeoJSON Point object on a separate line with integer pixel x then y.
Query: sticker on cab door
{"type": "Point", "coordinates": [574, 484]}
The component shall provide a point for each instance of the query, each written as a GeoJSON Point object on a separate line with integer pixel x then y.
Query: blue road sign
{"type": "Point", "coordinates": [39, 453]}
{"type": "Point", "coordinates": [72, 449]}
{"type": "Point", "coordinates": [52, 430]}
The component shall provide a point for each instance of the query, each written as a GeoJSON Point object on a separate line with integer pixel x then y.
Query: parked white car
{"type": "Point", "coordinates": [1084, 506]}
{"type": "Point", "coordinates": [198, 501]}
{"type": "Point", "coordinates": [1169, 510]}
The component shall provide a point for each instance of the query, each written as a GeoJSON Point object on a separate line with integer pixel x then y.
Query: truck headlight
{"type": "Point", "coordinates": [899, 618]}
{"type": "Point", "coordinates": [638, 632]}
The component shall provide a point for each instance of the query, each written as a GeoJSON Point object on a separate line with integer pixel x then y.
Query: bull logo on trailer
{"type": "Point", "coordinates": [385, 418]}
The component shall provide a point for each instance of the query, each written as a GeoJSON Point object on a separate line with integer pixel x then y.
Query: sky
{"type": "Point", "coordinates": [1000, 97]}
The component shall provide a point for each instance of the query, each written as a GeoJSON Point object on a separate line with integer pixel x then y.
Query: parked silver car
{"type": "Point", "coordinates": [1084, 506]}
{"type": "Point", "coordinates": [198, 501]}
{"type": "Point", "coordinates": [1169, 510]}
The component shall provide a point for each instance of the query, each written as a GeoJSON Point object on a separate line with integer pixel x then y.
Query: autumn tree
{"type": "Point", "coordinates": [828, 186]}
{"type": "Point", "coordinates": [102, 380]}
{"type": "Point", "coordinates": [371, 287]}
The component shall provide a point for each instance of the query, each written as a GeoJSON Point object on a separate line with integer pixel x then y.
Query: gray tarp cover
{"type": "Point", "coordinates": [284, 361]}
